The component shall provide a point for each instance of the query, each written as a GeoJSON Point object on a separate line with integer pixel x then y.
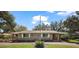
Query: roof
{"type": "Point", "coordinates": [46, 31]}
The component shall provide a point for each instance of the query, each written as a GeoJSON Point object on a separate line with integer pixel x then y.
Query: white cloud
{"type": "Point", "coordinates": [38, 18]}
{"type": "Point", "coordinates": [66, 13]}
{"type": "Point", "coordinates": [51, 11]}
{"type": "Point", "coordinates": [63, 12]}
{"type": "Point", "coordinates": [33, 22]}
{"type": "Point", "coordinates": [44, 19]}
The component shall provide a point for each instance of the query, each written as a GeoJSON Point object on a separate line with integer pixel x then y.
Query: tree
{"type": "Point", "coordinates": [42, 27]}
{"type": "Point", "coordinates": [72, 23]}
{"type": "Point", "coordinates": [57, 26]}
{"type": "Point", "coordinates": [19, 28]}
{"type": "Point", "coordinates": [7, 22]}
{"type": "Point", "coordinates": [77, 12]}
{"type": "Point", "coordinates": [54, 26]}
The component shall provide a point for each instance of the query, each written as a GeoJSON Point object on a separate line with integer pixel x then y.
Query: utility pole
{"type": "Point", "coordinates": [40, 24]}
{"type": "Point", "coordinates": [41, 27]}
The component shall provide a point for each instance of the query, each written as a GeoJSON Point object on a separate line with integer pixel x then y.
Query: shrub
{"type": "Point", "coordinates": [1, 36]}
{"type": "Point", "coordinates": [39, 44]}
{"type": "Point", "coordinates": [64, 37]}
{"type": "Point", "coordinates": [5, 38]}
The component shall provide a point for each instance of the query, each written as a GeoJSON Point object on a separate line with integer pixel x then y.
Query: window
{"type": "Point", "coordinates": [25, 35]}
{"type": "Point", "coordinates": [45, 35]}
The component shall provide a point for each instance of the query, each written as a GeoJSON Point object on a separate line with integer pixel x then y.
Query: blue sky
{"type": "Point", "coordinates": [32, 18]}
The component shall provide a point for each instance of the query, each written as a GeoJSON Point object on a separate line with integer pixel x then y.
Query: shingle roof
{"type": "Point", "coordinates": [38, 32]}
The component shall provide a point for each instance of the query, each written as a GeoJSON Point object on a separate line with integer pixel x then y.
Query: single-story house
{"type": "Point", "coordinates": [35, 35]}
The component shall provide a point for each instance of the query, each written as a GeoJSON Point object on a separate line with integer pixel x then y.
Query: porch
{"type": "Point", "coordinates": [37, 36]}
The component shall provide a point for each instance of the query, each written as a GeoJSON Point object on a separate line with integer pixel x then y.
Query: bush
{"type": "Point", "coordinates": [64, 37]}
{"type": "Point", "coordinates": [76, 37]}
{"type": "Point", "coordinates": [39, 44]}
{"type": "Point", "coordinates": [1, 36]}
{"type": "Point", "coordinates": [22, 40]}
{"type": "Point", "coordinates": [5, 36]}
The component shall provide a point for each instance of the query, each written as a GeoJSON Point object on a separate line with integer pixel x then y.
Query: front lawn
{"type": "Point", "coordinates": [16, 45]}
{"type": "Point", "coordinates": [60, 46]}
{"type": "Point", "coordinates": [73, 41]}
{"type": "Point", "coordinates": [26, 45]}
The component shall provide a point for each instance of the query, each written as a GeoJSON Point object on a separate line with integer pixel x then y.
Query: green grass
{"type": "Point", "coordinates": [17, 46]}
{"type": "Point", "coordinates": [32, 46]}
{"type": "Point", "coordinates": [60, 46]}
{"type": "Point", "coordinates": [73, 41]}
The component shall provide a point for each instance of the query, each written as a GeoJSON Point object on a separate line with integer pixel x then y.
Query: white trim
{"type": "Point", "coordinates": [29, 35]}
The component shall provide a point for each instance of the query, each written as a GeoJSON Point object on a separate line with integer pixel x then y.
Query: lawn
{"type": "Point", "coordinates": [73, 41]}
{"type": "Point", "coordinates": [24, 45]}
{"type": "Point", "coordinates": [60, 46]}
{"type": "Point", "coordinates": [16, 45]}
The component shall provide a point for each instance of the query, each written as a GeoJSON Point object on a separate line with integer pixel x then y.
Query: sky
{"type": "Point", "coordinates": [30, 19]}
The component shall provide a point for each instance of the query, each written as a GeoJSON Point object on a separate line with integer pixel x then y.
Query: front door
{"type": "Point", "coordinates": [54, 37]}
